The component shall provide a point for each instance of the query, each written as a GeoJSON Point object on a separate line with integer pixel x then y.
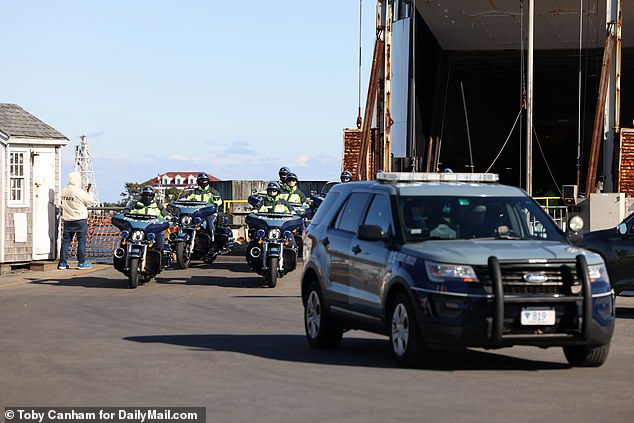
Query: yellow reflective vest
{"type": "Point", "coordinates": [208, 195]}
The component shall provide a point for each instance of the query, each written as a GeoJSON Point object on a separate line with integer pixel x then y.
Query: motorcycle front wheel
{"type": "Point", "coordinates": [134, 272]}
{"type": "Point", "coordinates": [272, 273]}
{"type": "Point", "coordinates": [183, 258]}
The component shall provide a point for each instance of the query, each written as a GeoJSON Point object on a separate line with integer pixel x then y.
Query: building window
{"type": "Point", "coordinates": [17, 180]}
{"type": "Point", "coordinates": [178, 181]}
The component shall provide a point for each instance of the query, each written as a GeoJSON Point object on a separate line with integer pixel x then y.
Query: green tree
{"type": "Point", "coordinates": [132, 191]}
{"type": "Point", "coordinates": [171, 193]}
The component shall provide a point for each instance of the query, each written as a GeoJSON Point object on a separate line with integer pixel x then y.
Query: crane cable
{"type": "Point", "coordinates": [505, 142]}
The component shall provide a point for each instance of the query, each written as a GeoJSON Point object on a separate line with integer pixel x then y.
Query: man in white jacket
{"type": "Point", "coordinates": [75, 202]}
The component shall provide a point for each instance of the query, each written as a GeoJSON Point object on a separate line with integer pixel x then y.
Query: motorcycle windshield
{"type": "Point", "coordinates": [196, 210]}
{"type": "Point", "coordinates": [148, 223]}
{"type": "Point", "coordinates": [284, 221]}
{"type": "Point", "coordinates": [190, 201]}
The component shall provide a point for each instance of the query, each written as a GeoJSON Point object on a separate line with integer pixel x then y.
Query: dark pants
{"type": "Point", "coordinates": [211, 223]}
{"type": "Point", "coordinates": [160, 240]}
{"type": "Point", "coordinates": [72, 228]}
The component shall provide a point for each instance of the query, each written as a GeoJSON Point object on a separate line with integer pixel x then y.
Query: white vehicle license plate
{"type": "Point", "coordinates": [538, 316]}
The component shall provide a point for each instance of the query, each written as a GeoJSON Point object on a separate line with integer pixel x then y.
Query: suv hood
{"type": "Point", "coordinates": [477, 252]}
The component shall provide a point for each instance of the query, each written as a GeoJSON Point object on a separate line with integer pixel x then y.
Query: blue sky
{"type": "Point", "coordinates": [235, 88]}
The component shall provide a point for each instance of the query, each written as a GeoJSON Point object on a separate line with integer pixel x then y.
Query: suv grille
{"type": "Point", "coordinates": [524, 278]}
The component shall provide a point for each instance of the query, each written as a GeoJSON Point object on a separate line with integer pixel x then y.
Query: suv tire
{"type": "Point", "coordinates": [587, 356]}
{"type": "Point", "coordinates": [407, 344]}
{"type": "Point", "coordinates": [321, 332]}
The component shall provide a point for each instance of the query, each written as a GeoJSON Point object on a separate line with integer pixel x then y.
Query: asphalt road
{"type": "Point", "coordinates": [215, 337]}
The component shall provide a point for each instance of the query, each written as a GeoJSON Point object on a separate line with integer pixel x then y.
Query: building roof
{"type": "Point", "coordinates": [18, 123]}
{"type": "Point", "coordinates": [172, 175]}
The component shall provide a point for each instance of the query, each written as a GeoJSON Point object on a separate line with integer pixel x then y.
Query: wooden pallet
{"type": "Point", "coordinates": [35, 266]}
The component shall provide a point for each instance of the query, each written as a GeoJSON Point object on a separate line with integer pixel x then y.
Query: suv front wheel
{"type": "Point", "coordinates": [587, 356]}
{"type": "Point", "coordinates": [407, 344]}
{"type": "Point", "coordinates": [321, 332]}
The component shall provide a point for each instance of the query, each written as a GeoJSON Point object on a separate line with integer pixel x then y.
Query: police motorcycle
{"type": "Point", "coordinates": [138, 256]}
{"type": "Point", "coordinates": [189, 240]}
{"type": "Point", "coordinates": [272, 250]}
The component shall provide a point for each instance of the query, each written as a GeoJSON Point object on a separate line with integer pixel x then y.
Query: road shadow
{"type": "Point", "coordinates": [85, 282]}
{"type": "Point", "coordinates": [352, 352]}
{"type": "Point", "coordinates": [254, 281]}
{"type": "Point", "coordinates": [625, 312]}
{"type": "Point", "coordinates": [232, 266]}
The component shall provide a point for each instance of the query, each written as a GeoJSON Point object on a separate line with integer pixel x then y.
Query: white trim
{"type": "Point", "coordinates": [38, 141]}
{"type": "Point", "coordinates": [27, 178]}
{"type": "Point", "coordinates": [3, 209]}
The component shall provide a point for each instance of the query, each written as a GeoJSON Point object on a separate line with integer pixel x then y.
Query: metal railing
{"type": "Point", "coordinates": [556, 208]}
{"type": "Point", "coordinates": [103, 237]}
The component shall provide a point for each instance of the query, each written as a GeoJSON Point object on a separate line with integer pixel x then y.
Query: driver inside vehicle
{"type": "Point", "coordinates": [442, 225]}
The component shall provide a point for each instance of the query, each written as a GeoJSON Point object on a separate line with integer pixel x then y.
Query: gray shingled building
{"type": "Point", "coordinates": [30, 182]}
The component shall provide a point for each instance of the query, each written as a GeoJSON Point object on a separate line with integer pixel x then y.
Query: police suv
{"type": "Point", "coordinates": [439, 260]}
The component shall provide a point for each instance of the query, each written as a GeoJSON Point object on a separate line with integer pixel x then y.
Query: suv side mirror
{"type": "Point", "coordinates": [371, 233]}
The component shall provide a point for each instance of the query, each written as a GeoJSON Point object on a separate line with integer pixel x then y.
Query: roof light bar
{"type": "Point", "coordinates": [437, 177]}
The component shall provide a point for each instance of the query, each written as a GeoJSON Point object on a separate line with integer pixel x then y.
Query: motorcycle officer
{"type": "Point", "coordinates": [345, 176]}
{"type": "Point", "coordinates": [283, 173]}
{"type": "Point", "coordinates": [147, 205]}
{"type": "Point", "coordinates": [205, 193]}
{"type": "Point", "coordinates": [273, 202]}
{"type": "Point", "coordinates": [290, 192]}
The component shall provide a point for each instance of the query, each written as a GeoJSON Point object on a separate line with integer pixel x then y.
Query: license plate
{"type": "Point", "coordinates": [274, 250]}
{"type": "Point", "coordinates": [538, 316]}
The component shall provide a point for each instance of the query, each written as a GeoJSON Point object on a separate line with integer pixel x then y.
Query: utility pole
{"type": "Point", "coordinates": [529, 100]}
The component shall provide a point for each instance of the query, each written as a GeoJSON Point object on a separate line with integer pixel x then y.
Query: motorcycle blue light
{"type": "Point", "coordinates": [125, 234]}
{"type": "Point", "coordinates": [151, 236]}
{"type": "Point", "coordinates": [287, 234]}
{"type": "Point", "coordinates": [260, 233]}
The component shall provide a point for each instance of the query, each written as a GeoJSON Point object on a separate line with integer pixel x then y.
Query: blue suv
{"type": "Point", "coordinates": [439, 260]}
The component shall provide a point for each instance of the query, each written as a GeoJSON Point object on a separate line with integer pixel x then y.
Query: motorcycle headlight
{"type": "Point", "coordinates": [136, 236]}
{"type": "Point", "coordinates": [441, 272]}
{"type": "Point", "coordinates": [275, 233]}
{"type": "Point", "coordinates": [186, 220]}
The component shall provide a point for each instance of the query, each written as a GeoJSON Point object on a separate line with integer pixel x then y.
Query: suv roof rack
{"type": "Point", "coordinates": [437, 177]}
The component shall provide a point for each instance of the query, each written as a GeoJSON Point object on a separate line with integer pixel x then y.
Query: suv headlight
{"type": "Point", "coordinates": [598, 273]}
{"type": "Point", "coordinates": [441, 272]}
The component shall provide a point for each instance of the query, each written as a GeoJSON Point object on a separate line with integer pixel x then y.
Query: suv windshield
{"type": "Point", "coordinates": [462, 217]}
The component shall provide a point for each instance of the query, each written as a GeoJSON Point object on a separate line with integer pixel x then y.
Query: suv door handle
{"type": "Point", "coordinates": [325, 241]}
{"type": "Point", "coordinates": [356, 249]}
